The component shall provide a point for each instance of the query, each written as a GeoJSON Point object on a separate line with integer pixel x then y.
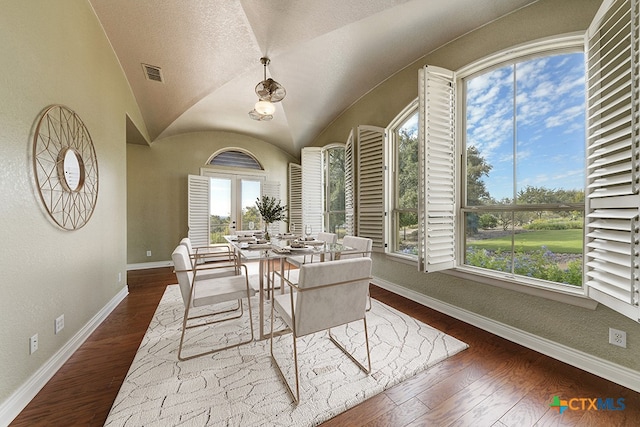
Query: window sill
{"type": "Point", "coordinates": [405, 259]}
{"type": "Point", "coordinates": [566, 295]}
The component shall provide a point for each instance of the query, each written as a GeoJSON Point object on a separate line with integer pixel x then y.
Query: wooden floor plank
{"type": "Point", "coordinates": [493, 379]}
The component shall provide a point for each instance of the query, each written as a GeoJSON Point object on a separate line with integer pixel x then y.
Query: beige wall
{"type": "Point", "coordinates": [55, 52]}
{"type": "Point", "coordinates": [578, 328]}
{"type": "Point", "coordinates": [157, 186]}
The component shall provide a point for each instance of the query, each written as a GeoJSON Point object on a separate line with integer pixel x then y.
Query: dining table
{"type": "Point", "coordinates": [271, 256]}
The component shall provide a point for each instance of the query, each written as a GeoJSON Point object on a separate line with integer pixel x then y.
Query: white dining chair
{"type": "Point", "coordinates": [211, 292]}
{"type": "Point", "coordinates": [327, 295]}
{"type": "Point", "coordinates": [202, 259]}
{"type": "Point", "coordinates": [359, 247]}
{"type": "Point", "coordinates": [211, 253]}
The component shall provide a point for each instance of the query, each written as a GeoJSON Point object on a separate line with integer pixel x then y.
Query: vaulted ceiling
{"type": "Point", "coordinates": [326, 53]}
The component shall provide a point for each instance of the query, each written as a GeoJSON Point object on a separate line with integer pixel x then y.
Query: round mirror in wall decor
{"type": "Point", "coordinates": [65, 167]}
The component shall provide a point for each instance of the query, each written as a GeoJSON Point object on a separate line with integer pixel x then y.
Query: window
{"type": "Point", "coordinates": [323, 189]}
{"type": "Point", "coordinates": [403, 145]}
{"type": "Point", "coordinates": [235, 159]}
{"type": "Point", "coordinates": [523, 203]}
{"type": "Point", "coordinates": [232, 204]}
{"type": "Point", "coordinates": [222, 198]}
{"type": "Point", "coordinates": [334, 211]}
{"type": "Point", "coordinates": [510, 204]}
{"type": "Point", "coordinates": [611, 168]}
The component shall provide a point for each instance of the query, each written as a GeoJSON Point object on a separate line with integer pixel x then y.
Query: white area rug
{"type": "Point", "coordinates": [240, 387]}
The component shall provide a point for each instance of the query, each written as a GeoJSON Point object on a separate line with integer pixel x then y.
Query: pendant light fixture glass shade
{"type": "Point", "coordinates": [269, 91]}
{"type": "Point", "coordinates": [265, 107]}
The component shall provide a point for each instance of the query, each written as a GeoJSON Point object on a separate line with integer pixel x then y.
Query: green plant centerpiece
{"type": "Point", "coordinates": [271, 211]}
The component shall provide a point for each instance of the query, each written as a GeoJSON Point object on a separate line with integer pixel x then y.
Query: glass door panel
{"type": "Point", "coordinates": [249, 192]}
{"type": "Point", "coordinates": [232, 204]}
{"type": "Point", "coordinates": [220, 209]}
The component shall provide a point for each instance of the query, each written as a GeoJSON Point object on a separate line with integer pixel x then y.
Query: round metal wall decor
{"type": "Point", "coordinates": [65, 167]}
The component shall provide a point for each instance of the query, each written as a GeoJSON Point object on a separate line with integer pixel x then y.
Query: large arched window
{"type": "Point", "coordinates": [402, 145]}
{"type": "Point", "coordinates": [524, 144]}
{"type": "Point", "coordinates": [502, 149]}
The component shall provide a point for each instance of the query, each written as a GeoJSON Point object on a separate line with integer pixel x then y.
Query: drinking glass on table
{"type": "Point", "coordinates": [292, 228]}
{"type": "Point", "coordinates": [307, 231]}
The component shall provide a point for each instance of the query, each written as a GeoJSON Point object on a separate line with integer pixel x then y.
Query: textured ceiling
{"type": "Point", "coordinates": [326, 53]}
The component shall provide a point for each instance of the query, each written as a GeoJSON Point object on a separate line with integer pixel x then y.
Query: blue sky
{"type": "Point", "coordinates": [220, 192]}
{"type": "Point", "coordinates": [549, 123]}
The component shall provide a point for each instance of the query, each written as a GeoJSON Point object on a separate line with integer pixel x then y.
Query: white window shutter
{"type": "Point", "coordinates": [349, 185]}
{"type": "Point", "coordinates": [295, 195]}
{"type": "Point", "coordinates": [370, 191]}
{"type": "Point", "coordinates": [198, 210]}
{"type": "Point", "coordinates": [312, 189]}
{"type": "Point", "coordinates": [612, 235]}
{"type": "Point", "coordinates": [272, 189]}
{"type": "Point", "coordinates": [436, 133]}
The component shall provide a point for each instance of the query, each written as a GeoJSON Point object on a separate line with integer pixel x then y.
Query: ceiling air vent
{"type": "Point", "coordinates": [152, 72]}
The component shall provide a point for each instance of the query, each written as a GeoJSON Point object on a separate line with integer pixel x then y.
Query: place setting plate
{"type": "Point", "coordinates": [303, 248]}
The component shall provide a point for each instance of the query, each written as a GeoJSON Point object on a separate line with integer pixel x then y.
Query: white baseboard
{"type": "Point", "coordinates": [603, 368]}
{"type": "Point", "coordinates": [145, 265]}
{"type": "Point", "coordinates": [12, 407]}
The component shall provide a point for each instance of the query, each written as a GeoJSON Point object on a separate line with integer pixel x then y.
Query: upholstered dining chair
{"type": "Point", "coordinates": [211, 253]}
{"type": "Point", "coordinates": [202, 259]}
{"type": "Point", "coordinates": [327, 295]}
{"type": "Point", "coordinates": [361, 247]}
{"type": "Point", "coordinates": [211, 292]}
{"type": "Point", "coordinates": [298, 260]}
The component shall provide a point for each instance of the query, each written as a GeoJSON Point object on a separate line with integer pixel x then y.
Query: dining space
{"type": "Point", "coordinates": [302, 286]}
{"type": "Point", "coordinates": [279, 259]}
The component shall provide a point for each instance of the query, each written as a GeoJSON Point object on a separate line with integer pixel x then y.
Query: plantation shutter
{"type": "Point", "coordinates": [312, 189]}
{"type": "Point", "coordinates": [198, 210]}
{"type": "Point", "coordinates": [295, 196]}
{"type": "Point", "coordinates": [436, 133]}
{"type": "Point", "coordinates": [371, 185]}
{"type": "Point", "coordinates": [272, 189]}
{"type": "Point", "coordinates": [349, 182]}
{"type": "Point", "coordinates": [612, 220]}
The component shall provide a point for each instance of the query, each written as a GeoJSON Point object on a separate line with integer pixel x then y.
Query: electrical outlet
{"type": "Point", "coordinates": [59, 323]}
{"type": "Point", "coordinates": [33, 344]}
{"type": "Point", "coordinates": [148, 253]}
{"type": "Point", "coordinates": [617, 337]}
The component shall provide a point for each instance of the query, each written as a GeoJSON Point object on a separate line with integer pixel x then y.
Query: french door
{"type": "Point", "coordinates": [232, 204]}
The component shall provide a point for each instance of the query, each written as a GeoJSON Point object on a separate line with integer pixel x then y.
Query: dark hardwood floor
{"type": "Point", "coordinates": [493, 383]}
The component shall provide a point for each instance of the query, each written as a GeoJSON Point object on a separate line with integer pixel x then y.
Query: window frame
{"type": "Point", "coordinates": [555, 45]}
{"type": "Point", "coordinates": [391, 146]}
{"type": "Point", "coordinates": [327, 211]}
{"type": "Point", "coordinates": [568, 43]}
